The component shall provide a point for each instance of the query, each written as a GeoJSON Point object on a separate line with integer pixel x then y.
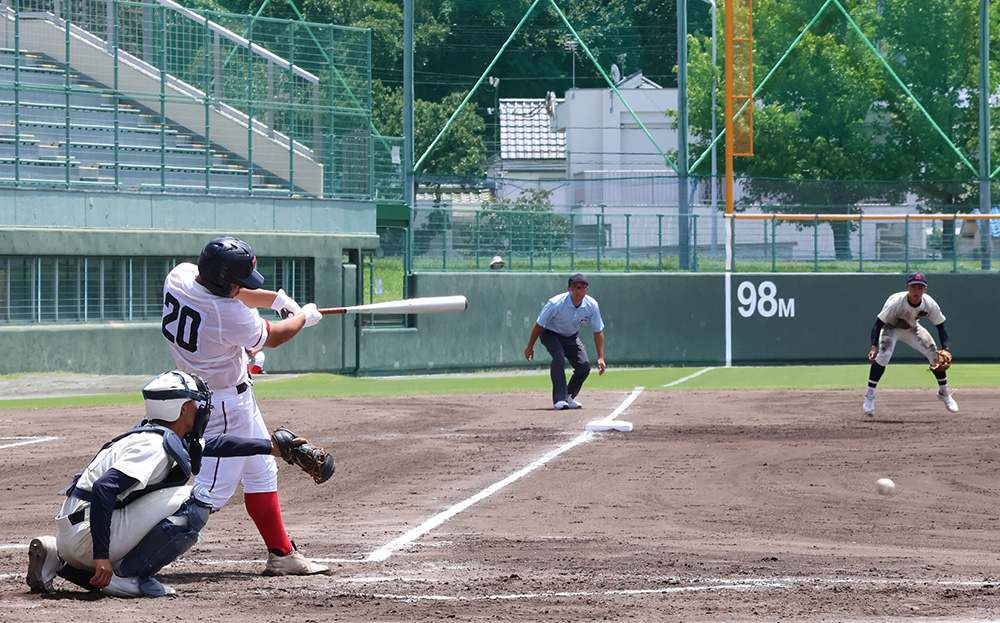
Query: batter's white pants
{"type": "Point", "coordinates": [237, 414]}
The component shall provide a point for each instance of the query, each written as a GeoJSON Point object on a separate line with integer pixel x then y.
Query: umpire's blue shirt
{"type": "Point", "coordinates": [560, 316]}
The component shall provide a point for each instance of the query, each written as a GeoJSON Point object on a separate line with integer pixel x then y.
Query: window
{"type": "Point", "coordinates": [96, 289]}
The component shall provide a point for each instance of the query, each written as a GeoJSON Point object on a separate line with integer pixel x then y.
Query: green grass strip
{"type": "Point", "coordinates": [622, 379]}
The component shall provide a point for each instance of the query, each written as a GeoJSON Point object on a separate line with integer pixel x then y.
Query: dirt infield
{"type": "Point", "coordinates": [719, 506]}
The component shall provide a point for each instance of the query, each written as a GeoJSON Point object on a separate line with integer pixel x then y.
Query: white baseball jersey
{"type": "Point", "coordinates": [140, 456]}
{"type": "Point", "coordinates": [898, 313]}
{"type": "Point", "coordinates": [209, 335]}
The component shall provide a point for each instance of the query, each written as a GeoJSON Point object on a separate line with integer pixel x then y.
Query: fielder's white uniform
{"type": "Point", "coordinates": [209, 336]}
{"type": "Point", "coordinates": [140, 456]}
{"type": "Point", "coordinates": [902, 323]}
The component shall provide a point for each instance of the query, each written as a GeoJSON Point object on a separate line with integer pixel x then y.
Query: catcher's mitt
{"type": "Point", "coordinates": [313, 460]}
{"type": "Point", "coordinates": [943, 362]}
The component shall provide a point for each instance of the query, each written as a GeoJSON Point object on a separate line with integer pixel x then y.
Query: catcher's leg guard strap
{"type": "Point", "coordinates": [168, 539]}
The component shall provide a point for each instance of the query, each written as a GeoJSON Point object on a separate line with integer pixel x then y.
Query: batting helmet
{"type": "Point", "coordinates": [225, 261]}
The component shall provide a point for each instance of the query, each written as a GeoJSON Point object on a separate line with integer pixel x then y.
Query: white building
{"type": "Point", "coordinates": [588, 148]}
{"type": "Point", "coordinates": [609, 157]}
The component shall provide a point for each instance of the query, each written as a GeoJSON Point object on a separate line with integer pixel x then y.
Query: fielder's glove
{"type": "Point", "coordinates": [313, 460]}
{"type": "Point", "coordinates": [943, 362]}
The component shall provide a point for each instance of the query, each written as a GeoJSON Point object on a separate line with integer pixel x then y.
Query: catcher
{"type": "Point", "coordinates": [899, 320]}
{"type": "Point", "coordinates": [130, 512]}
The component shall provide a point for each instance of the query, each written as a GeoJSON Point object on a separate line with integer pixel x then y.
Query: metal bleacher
{"type": "Point", "coordinates": [53, 132]}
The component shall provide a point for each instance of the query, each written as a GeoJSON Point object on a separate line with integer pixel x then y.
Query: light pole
{"type": "Point", "coordinates": [715, 185]}
{"type": "Point", "coordinates": [569, 44]}
{"type": "Point", "coordinates": [495, 83]}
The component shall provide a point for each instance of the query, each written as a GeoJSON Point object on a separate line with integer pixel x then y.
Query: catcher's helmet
{"type": "Point", "coordinates": [167, 393]}
{"type": "Point", "coordinates": [225, 261]}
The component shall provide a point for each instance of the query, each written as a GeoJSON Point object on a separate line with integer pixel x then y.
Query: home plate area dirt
{"type": "Point", "coordinates": [717, 506]}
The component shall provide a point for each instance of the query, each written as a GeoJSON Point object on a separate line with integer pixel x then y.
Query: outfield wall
{"type": "Point", "coordinates": [652, 319]}
{"type": "Point", "coordinates": [139, 347]}
{"type": "Point", "coordinates": [680, 319]}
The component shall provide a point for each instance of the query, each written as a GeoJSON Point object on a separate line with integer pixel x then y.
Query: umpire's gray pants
{"type": "Point", "coordinates": [563, 348]}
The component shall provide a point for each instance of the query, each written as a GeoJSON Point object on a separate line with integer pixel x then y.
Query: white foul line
{"type": "Point", "coordinates": [741, 584]}
{"type": "Point", "coordinates": [26, 441]}
{"type": "Point", "coordinates": [386, 550]}
{"type": "Point", "coordinates": [688, 377]}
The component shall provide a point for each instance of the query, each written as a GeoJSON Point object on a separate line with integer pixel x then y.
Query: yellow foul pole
{"type": "Point", "coordinates": [728, 52]}
{"type": "Point", "coordinates": [739, 91]}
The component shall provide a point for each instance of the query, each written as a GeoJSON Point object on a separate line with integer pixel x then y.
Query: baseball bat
{"type": "Point", "coordinates": [424, 305]}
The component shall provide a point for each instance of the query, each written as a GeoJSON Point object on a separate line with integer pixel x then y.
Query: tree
{"type": "Point", "coordinates": [832, 126]}
{"type": "Point", "coordinates": [459, 154]}
{"type": "Point", "coordinates": [935, 52]}
{"type": "Point", "coordinates": [461, 150]}
{"type": "Point", "coordinates": [526, 224]}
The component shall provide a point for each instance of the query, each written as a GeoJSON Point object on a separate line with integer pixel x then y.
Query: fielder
{"type": "Point", "coordinates": [899, 320]}
{"type": "Point", "coordinates": [210, 322]}
{"type": "Point", "coordinates": [130, 512]}
{"type": "Point", "coordinates": [558, 326]}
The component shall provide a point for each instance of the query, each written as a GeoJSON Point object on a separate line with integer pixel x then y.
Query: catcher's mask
{"type": "Point", "coordinates": [225, 261]}
{"type": "Point", "coordinates": [167, 393]}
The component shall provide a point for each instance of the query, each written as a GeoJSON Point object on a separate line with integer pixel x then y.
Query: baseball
{"type": "Point", "coordinates": [885, 486]}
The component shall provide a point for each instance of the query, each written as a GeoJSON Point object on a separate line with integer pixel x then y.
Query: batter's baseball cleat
{"type": "Point", "coordinates": [869, 406]}
{"type": "Point", "coordinates": [43, 563]}
{"type": "Point", "coordinates": [293, 563]}
{"type": "Point", "coordinates": [573, 404]}
{"type": "Point", "coordinates": [948, 401]}
{"type": "Point", "coordinates": [560, 405]}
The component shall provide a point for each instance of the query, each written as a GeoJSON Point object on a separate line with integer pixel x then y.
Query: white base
{"type": "Point", "coordinates": [599, 425]}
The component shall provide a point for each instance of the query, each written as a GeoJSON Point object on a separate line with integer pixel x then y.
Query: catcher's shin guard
{"type": "Point", "coordinates": [80, 577]}
{"type": "Point", "coordinates": [170, 538]}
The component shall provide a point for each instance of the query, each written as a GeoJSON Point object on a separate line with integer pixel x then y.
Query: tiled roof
{"type": "Point", "coordinates": [425, 199]}
{"type": "Point", "coordinates": [525, 132]}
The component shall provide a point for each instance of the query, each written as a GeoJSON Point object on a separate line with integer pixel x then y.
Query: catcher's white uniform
{"type": "Point", "coordinates": [209, 336]}
{"type": "Point", "coordinates": [902, 323]}
{"type": "Point", "coordinates": [141, 456]}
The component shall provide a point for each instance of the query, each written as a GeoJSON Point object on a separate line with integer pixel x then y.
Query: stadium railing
{"type": "Point", "coordinates": [643, 239]}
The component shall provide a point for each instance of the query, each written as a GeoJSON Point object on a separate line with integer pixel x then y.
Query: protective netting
{"type": "Point", "coordinates": [857, 106]}
{"type": "Point", "coordinates": [884, 227]}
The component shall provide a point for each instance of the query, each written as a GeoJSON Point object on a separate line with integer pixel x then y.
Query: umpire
{"type": "Point", "coordinates": [558, 326]}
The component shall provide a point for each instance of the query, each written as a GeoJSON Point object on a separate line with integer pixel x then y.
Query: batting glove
{"type": "Point", "coordinates": [285, 305]}
{"type": "Point", "coordinates": [312, 314]}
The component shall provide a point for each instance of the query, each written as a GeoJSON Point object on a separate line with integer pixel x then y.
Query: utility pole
{"type": "Point", "coordinates": [985, 186]}
{"type": "Point", "coordinates": [683, 204]}
{"type": "Point", "coordinates": [409, 186]}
